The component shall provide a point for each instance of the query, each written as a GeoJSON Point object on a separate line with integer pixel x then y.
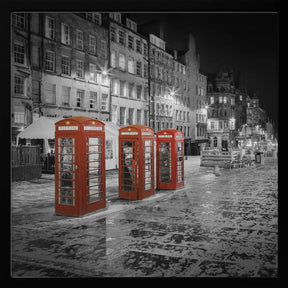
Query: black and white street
{"type": "Point", "coordinates": [216, 226]}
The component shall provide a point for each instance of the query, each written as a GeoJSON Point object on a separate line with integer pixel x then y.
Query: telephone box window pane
{"type": "Point", "coordinates": [165, 162]}
{"type": "Point", "coordinates": [94, 165]}
{"type": "Point", "coordinates": [180, 173]}
{"type": "Point", "coordinates": [127, 170]}
{"type": "Point", "coordinates": [66, 164]}
{"type": "Point", "coordinates": [148, 149]}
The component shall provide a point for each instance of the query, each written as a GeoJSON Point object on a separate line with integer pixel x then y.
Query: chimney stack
{"type": "Point", "coordinates": [175, 54]}
{"type": "Point", "coordinates": [161, 32]}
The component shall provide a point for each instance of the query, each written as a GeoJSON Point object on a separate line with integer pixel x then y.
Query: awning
{"type": "Point", "coordinates": [44, 128]}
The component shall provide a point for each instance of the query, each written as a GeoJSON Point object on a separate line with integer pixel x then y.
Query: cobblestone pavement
{"type": "Point", "coordinates": [225, 226]}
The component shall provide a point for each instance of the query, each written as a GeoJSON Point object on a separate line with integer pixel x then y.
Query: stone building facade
{"type": "Point", "coordinates": [129, 74]}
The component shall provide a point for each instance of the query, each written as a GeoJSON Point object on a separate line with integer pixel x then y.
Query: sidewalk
{"type": "Point", "coordinates": [224, 226]}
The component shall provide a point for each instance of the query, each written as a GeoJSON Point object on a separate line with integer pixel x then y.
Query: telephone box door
{"type": "Point", "coordinates": [67, 176]}
{"type": "Point", "coordinates": [129, 169]}
{"type": "Point", "coordinates": [164, 170]}
{"type": "Point", "coordinates": [180, 162]}
{"type": "Point", "coordinates": [95, 173]}
{"type": "Point", "coordinates": [148, 167]}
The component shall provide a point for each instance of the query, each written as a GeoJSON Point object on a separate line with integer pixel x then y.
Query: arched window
{"type": "Point", "coordinates": [215, 141]}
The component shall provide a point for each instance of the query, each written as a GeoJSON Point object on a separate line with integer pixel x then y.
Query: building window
{"type": "Point", "coordinates": [139, 116]}
{"type": "Point", "coordinates": [49, 61]}
{"type": "Point", "coordinates": [80, 98]}
{"type": "Point", "coordinates": [130, 42]}
{"type": "Point", "coordinates": [145, 70]}
{"type": "Point", "coordinates": [19, 20]}
{"type": "Point", "coordinates": [19, 85]}
{"type": "Point", "coordinates": [113, 59]}
{"type": "Point", "coordinates": [92, 44]}
{"type": "Point", "coordinates": [212, 100]}
{"type": "Point", "coordinates": [130, 89]}
{"type": "Point", "coordinates": [122, 115]}
{"type": "Point", "coordinates": [224, 99]}
{"type": "Point", "coordinates": [19, 53]}
{"type": "Point", "coordinates": [115, 86]}
{"type": "Point", "coordinates": [65, 34]}
{"type": "Point", "coordinates": [130, 65]}
{"type": "Point", "coordinates": [104, 102]}
{"type": "Point", "coordinates": [138, 68]}
{"type": "Point", "coordinates": [103, 48]}
{"type": "Point", "coordinates": [138, 46]}
{"type": "Point", "coordinates": [97, 18]}
{"type": "Point", "coordinates": [65, 65]}
{"type": "Point", "coordinates": [19, 116]}
{"type": "Point", "coordinates": [212, 125]}
{"type": "Point", "coordinates": [79, 39]}
{"type": "Point", "coordinates": [121, 37]}
{"type": "Point", "coordinates": [145, 93]}
{"type": "Point", "coordinates": [113, 34]}
{"type": "Point", "coordinates": [220, 99]}
{"type": "Point", "coordinates": [66, 95]}
{"type": "Point", "coordinates": [240, 97]}
{"type": "Point", "coordinates": [138, 91]}
{"type": "Point", "coordinates": [93, 72]}
{"type": "Point", "coordinates": [80, 69]}
{"type": "Point", "coordinates": [121, 61]}
{"type": "Point", "coordinates": [215, 141]}
{"type": "Point", "coordinates": [145, 49]}
{"type": "Point", "coordinates": [50, 93]}
{"type": "Point", "coordinates": [49, 27]}
{"type": "Point", "coordinates": [89, 16]}
{"type": "Point", "coordinates": [232, 101]}
{"type": "Point", "coordinates": [93, 99]}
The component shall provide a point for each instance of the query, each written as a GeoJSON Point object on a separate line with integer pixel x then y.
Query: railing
{"type": "Point", "coordinates": [48, 163]}
{"type": "Point", "coordinates": [25, 156]}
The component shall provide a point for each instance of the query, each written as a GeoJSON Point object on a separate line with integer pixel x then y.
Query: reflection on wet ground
{"type": "Point", "coordinates": [224, 226]}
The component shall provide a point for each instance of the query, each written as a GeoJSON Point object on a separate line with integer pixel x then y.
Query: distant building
{"type": "Point", "coordinates": [129, 74]}
{"type": "Point", "coordinates": [221, 110]}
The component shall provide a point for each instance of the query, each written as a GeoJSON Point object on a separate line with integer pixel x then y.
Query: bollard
{"type": "Point", "coordinates": [216, 170]}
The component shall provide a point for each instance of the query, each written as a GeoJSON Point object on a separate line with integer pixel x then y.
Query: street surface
{"type": "Point", "coordinates": [225, 226]}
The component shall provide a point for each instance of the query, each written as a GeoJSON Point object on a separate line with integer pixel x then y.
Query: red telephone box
{"type": "Point", "coordinates": [79, 166]}
{"type": "Point", "coordinates": [136, 162]}
{"type": "Point", "coordinates": [170, 159]}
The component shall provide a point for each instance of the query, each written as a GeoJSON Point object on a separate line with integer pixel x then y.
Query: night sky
{"type": "Point", "coordinates": [247, 42]}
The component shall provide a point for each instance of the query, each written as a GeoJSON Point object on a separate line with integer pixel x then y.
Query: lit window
{"type": "Point", "coordinates": [97, 18]}
{"type": "Point", "coordinates": [224, 99]}
{"type": "Point", "coordinates": [104, 102]}
{"type": "Point", "coordinates": [240, 97]}
{"type": "Point", "coordinates": [139, 91]}
{"type": "Point", "coordinates": [103, 47]}
{"type": "Point", "coordinates": [93, 72]}
{"type": "Point", "coordinates": [220, 99]}
{"type": "Point", "coordinates": [121, 61]}
{"type": "Point", "coordinates": [113, 59]}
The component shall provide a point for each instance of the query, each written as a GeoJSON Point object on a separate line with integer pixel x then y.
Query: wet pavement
{"type": "Point", "coordinates": [225, 226]}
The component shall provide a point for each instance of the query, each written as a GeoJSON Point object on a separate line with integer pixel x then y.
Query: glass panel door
{"type": "Point", "coordinates": [148, 171]}
{"type": "Point", "coordinates": [66, 164]}
{"type": "Point", "coordinates": [94, 179]}
{"type": "Point", "coordinates": [129, 154]}
{"type": "Point", "coordinates": [165, 162]}
{"type": "Point", "coordinates": [180, 164]}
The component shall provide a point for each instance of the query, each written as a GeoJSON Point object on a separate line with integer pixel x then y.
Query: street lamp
{"type": "Point", "coordinates": [104, 71]}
